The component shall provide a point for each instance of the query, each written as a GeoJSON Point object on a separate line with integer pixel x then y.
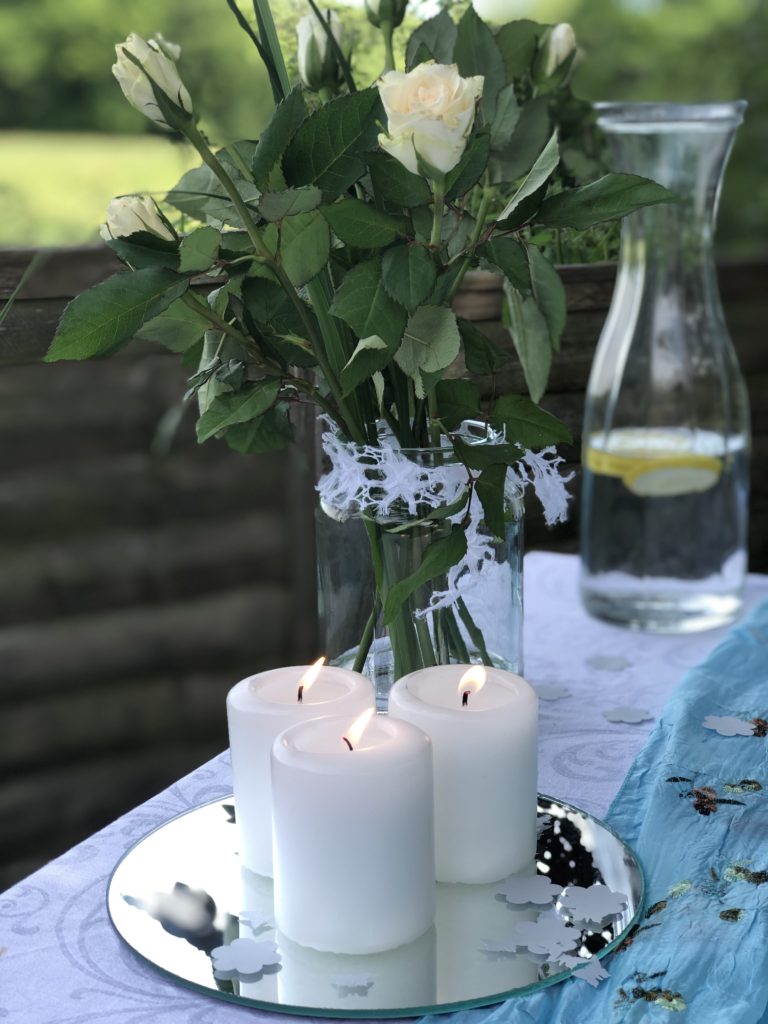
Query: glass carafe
{"type": "Point", "coordinates": [666, 427]}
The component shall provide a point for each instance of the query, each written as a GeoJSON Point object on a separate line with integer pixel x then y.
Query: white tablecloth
{"type": "Point", "coordinates": [60, 960]}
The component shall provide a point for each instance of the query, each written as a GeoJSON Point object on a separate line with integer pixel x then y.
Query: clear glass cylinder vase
{"type": "Point", "coordinates": [666, 426]}
{"type": "Point", "coordinates": [481, 624]}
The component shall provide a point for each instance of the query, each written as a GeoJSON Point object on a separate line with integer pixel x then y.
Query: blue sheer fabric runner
{"type": "Point", "coordinates": [693, 806]}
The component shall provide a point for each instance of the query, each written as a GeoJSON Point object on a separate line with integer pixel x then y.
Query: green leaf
{"type": "Point", "coordinates": [267, 433]}
{"type": "Point", "coordinates": [490, 490]}
{"type": "Point", "coordinates": [526, 211]}
{"type": "Point", "coordinates": [371, 354]}
{"type": "Point", "coordinates": [107, 316]}
{"type": "Point", "coordinates": [143, 249]}
{"type": "Point", "coordinates": [538, 175]}
{"type": "Point", "coordinates": [228, 409]}
{"type": "Point", "coordinates": [277, 205]}
{"type": "Point", "coordinates": [303, 243]}
{"type": "Point", "coordinates": [517, 42]}
{"type": "Point", "coordinates": [476, 53]}
{"type": "Point", "coordinates": [509, 256]}
{"type": "Point", "coordinates": [471, 166]}
{"type": "Point", "coordinates": [549, 293]}
{"type": "Point", "coordinates": [430, 343]}
{"type": "Point", "coordinates": [608, 198]}
{"type": "Point", "coordinates": [199, 250]}
{"type": "Point", "coordinates": [200, 195]}
{"type": "Point", "coordinates": [394, 184]}
{"type": "Point", "coordinates": [327, 149]}
{"type": "Point", "coordinates": [179, 327]}
{"type": "Point", "coordinates": [528, 139]}
{"type": "Point", "coordinates": [286, 119]}
{"type": "Point", "coordinates": [361, 225]}
{"type": "Point", "coordinates": [437, 36]}
{"type": "Point", "coordinates": [457, 400]}
{"type": "Point", "coordinates": [481, 456]}
{"type": "Point", "coordinates": [440, 556]}
{"type": "Point", "coordinates": [363, 302]}
{"type": "Point", "coordinates": [270, 307]}
{"type": "Point", "coordinates": [530, 334]}
{"type": "Point", "coordinates": [481, 355]}
{"type": "Point", "coordinates": [527, 424]}
{"type": "Point", "coordinates": [506, 117]}
{"type": "Point", "coordinates": [409, 274]}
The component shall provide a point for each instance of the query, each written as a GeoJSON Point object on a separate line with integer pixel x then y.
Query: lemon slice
{"type": "Point", "coordinates": [652, 473]}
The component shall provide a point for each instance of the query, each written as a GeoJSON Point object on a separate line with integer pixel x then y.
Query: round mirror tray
{"type": "Point", "coordinates": [181, 901]}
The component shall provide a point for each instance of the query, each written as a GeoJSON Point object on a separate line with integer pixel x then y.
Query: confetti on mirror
{"type": "Point", "coordinates": [729, 726]}
{"type": "Point", "coordinates": [592, 972]}
{"type": "Point", "coordinates": [549, 937]}
{"type": "Point", "coordinates": [553, 692]}
{"type": "Point", "coordinates": [608, 663]}
{"type": "Point", "coordinates": [632, 716]}
{"type": "Point", "coordinates": [352, 984]}
{"type": "Point", "coordinates": [256, 921]}
{"type": "Point", "coordinates": [244, 958]}
{"type": "Point", "coordinates": [594, 905]}
{"type": "Point", "coordinates": [520, 890]}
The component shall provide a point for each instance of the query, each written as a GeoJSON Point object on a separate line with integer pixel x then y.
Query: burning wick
{"type": "Point", "coordinates": [472, 681]}
{"type": "Point", "coordinates": [358, 727]}
{"type": "Point", "coordinates": [308, 678]}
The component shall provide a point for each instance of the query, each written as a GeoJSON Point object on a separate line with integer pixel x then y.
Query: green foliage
{"type": "Point", "coordinates": [361, 225]}
{"type": "Point", "coordinates": [229, 409]}
{"type": "Point", "coordinates": [107, 316]}
{"type": "Point", "coordinates": [364, 303]}
{"type": "Point", "coordinates": [430, 344]}
{"type": "Point", "coordinates": [199, 249]}
{"type": "Point", "coordinates": [439, 557]}
{"type": "Point", "coordinates": [409, 275]}
{"type": "Point", "coordinates": [606, 199]}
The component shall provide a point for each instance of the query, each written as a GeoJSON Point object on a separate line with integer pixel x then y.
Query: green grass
{"type": "Point", "coordinates": [54, 187]}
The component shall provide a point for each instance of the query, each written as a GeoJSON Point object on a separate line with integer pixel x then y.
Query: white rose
{"type": "Point", "coordinates": [559, 46]}
{"type": "Point", "coordinates": [317, 62]}
{"type": "Point", "coordinates": [128, 214]}
{"type": "Point", "coordinates": [431, 111]}
{"type": "Point", "coordinates": [498, 12]}
{"type": "Point", "coordinates": [160, 68]}
{"type": "Point", "coordinates": [170, 49]}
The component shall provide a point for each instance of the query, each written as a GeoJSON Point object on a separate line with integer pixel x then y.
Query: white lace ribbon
{"type": "Point", "coordinates": [383, 481]}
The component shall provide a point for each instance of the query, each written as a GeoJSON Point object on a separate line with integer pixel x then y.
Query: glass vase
{"type": "Point", "coordinates": [666, 427]}
{"type": "Point", "coordinates": [483, 625]}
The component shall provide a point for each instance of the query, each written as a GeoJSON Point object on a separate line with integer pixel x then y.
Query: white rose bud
{"type": "Point", "coordinates": [318, 67]}
{"type": "Point", "coordinates": [560, 44]}
{"type": "Point", "coordinates": [390, 12]}
{"type": "Point", "coordinates": [171, 50]}
{"type": "Point", "coordinates": [159, 67]}
{"type": "Point", "coordinates": [430, 111]}
{"type": "Point", "coordinates": [496, 12]}
{"type": "Point", "coordinates": [128, 214]}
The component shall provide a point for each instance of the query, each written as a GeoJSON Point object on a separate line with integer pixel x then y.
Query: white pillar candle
{"type": "Point", "coordinates": [484, 742]}
{"type": "Point", "coordinates": [259, 708]}
{"type": "Point", "coordinates": [353, 834]}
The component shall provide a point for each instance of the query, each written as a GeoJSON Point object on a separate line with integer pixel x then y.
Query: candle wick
{"type": "Point", "coordinates": [347, 742]}
{"type": "Point", "coordinates": [465, 698]}
{"type": "Point", "coordinates": [300, 697]}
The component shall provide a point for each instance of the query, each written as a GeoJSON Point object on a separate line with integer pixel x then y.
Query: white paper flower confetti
{"type": "Point", "coordinates": [728, 725]}
{"type": "Point", "coordinates": [629, 715]}
{"type": "Point", "coordinates": [520, 890]}
{"type": "Point", "coordinates": [595, 904]}
{"type": "Point", "coordinates": [244, 957]}
{"type": "Point", "coordinates": [552, 692]}
{"type": "Point", "coordinates": [352, 984]}
{"type": "Point", "coordinates": [608, 663]}
{"type": "Point", "coordinates": [592, 972]}
{"type": "Point", "coordinates": [547, 936]}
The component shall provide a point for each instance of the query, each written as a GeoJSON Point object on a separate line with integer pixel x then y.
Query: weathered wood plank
{"type": "Point", "coordinates": [206, 633]}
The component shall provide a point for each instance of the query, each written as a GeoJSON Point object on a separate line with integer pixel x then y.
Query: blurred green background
{"type": "Point", "coordinates": [69, 141]}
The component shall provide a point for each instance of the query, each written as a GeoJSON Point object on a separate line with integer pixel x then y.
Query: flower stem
{"type": "Point", "coordinates": [389, 56]}
{"type": "Point", "coordinates": [271, 43]}
{"type": "Point", "coordinates": [482, 213]}
{"type": "Point", "coordinates": [438, 191]}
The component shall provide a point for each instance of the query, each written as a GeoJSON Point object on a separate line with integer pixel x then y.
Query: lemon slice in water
{"type": "Point", "coordinates": [655, 469]}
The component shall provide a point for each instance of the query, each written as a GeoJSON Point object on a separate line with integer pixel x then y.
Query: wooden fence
{"type": "Point", "coordinates": [137, 587]}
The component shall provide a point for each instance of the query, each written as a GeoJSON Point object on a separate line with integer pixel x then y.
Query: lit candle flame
{"type": "Point", "coordinates": [358, 727]}
{"type": "Point", "coordinates": [472, 681]}
{"type": "Point", "coordinates": [309, 678]}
